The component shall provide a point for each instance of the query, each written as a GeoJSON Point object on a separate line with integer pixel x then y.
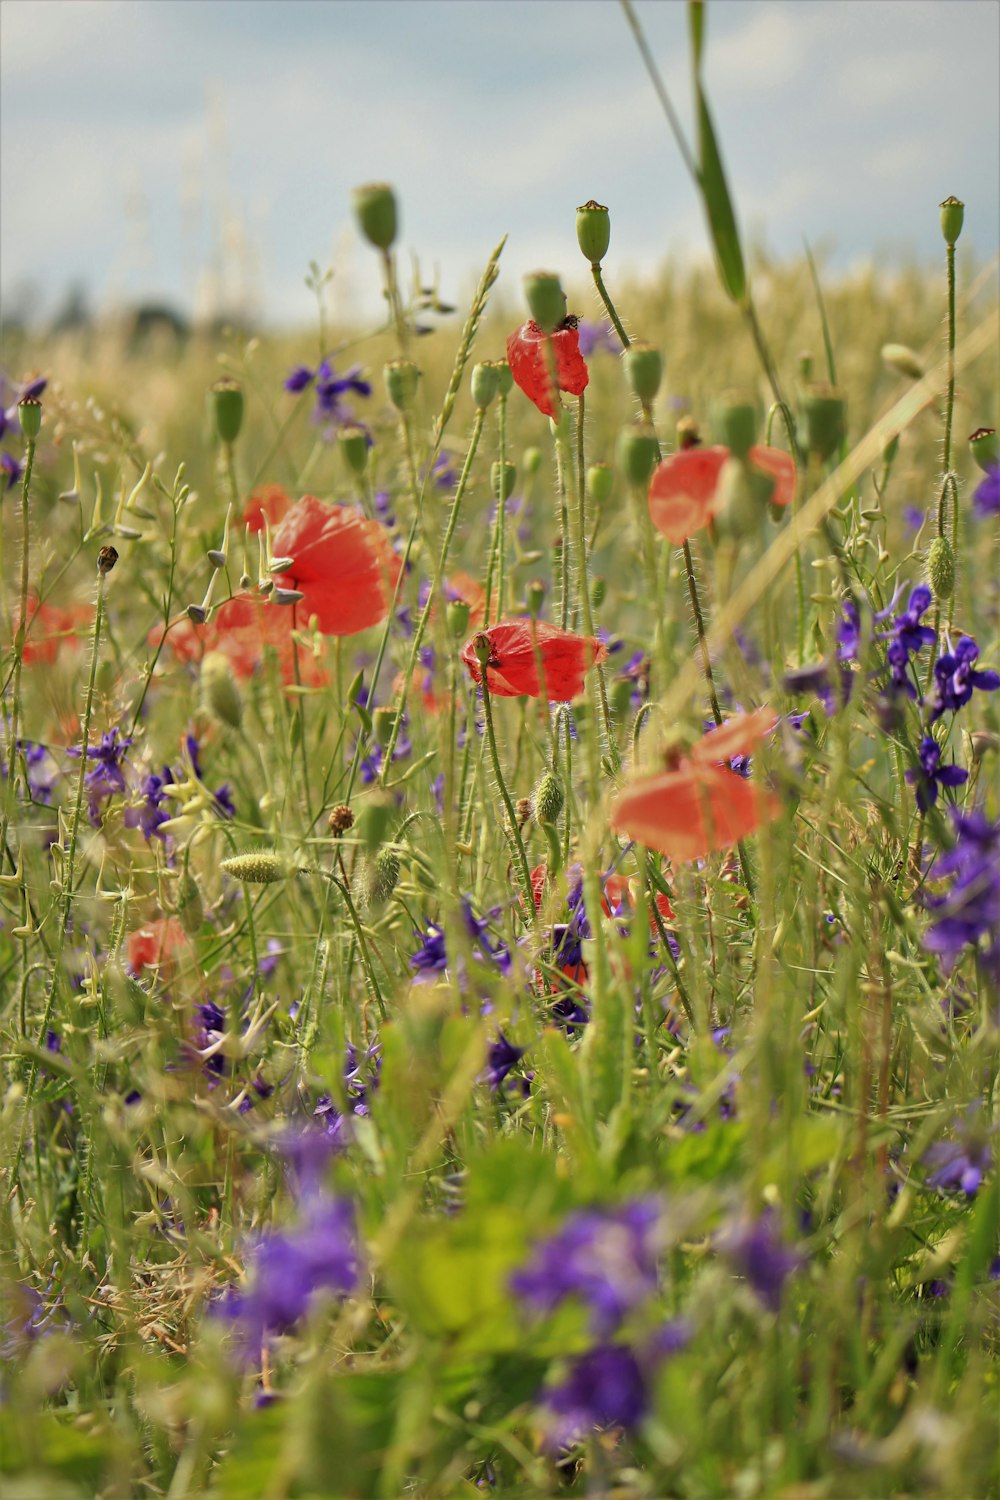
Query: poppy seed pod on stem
{"type": "Point", "coordinates": [638, 452]}
{"type": "Point", "coordinates": [375, 211]}
{"type": "Point", "coordinates": [29, 412]}
{"type": "Point", "coordinates": [546, 299]}
{"type": "Point", "coordinates": [485, 384]}
{"type": "Point", "coordinates": [401, 377]}
{"type": "Point", "coordinates": [985, 448]}
{"type": "Point", "coordinates": [593, 231]}
{"type": "Point", "coordinates": [502, 480]}
{"type": "Point", "coordinates": [735, 424]}
{"type": "Point", "coordinates": [644, 371]}
{"type": "Point", "coordinates": [952, 219]}
{"type": "Point", "coordinates": [227, 406]}
{"type": "Point", "coordinates": [353, 441]}
{"type": "Point", "coordinates": [600, 482]}
{"type": "Point", "coordinates": [823, 419]}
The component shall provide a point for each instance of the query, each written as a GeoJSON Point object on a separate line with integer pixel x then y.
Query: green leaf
{"type": "Point", "coordinates": [718, 207]}
{"type": "Point", "coordinates": [696, 26]}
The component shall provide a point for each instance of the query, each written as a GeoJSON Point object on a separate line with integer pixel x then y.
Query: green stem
{"type": "Point", "coordinates": [343, 886]}
{"type": "Point", "coordinates": [699, 625]}
{"type": "Point", "coordinates": [19, 639]}
{"type": "Point", "coordinates": [583, 581]}
{"type": "Point", "coordinates": [609, 305]}
{"type": "Point", "coordinates": [513, 830]}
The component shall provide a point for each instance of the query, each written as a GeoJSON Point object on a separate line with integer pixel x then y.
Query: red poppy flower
{"type": "Point", "coordinates": [528, 362]}
{"type": "Point", "coordinates": [684, 490]}
{"type": "Point", "coordinates": [343, 564]}
{"type": "Point", "coordinates": [154, 945]}
{"type": "Point", "coordinates": [516, 649]}
{"type": "Point", "coordinates": [700, 806]}
{"type": "Point", "coordinates": [619, 901]}
{"type": "Point", "coordinates": [50, 627]}
{"type": "Point", "coordinates": [272, 501]}
{"type": "Point", "coordinates": [242, 629]}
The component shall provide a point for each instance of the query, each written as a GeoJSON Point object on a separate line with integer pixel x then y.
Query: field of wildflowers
{"type": "Point", "coordinates": [500, 892]}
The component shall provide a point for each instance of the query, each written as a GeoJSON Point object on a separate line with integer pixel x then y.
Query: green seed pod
{"type": "Point", "coordinates": [502, 483]}
{"type": "Point", "coordinates": [227, 404]}
{"type": "Point", "coordinates": [546, 299]}
{"type": "Point", "coordinates": [598, 592]}
{"type": "Point", "coordinates": [505, 377]}
{"type": "Point", "coordinates": [485, 384]}
{"type": "Point", "coordinates": [637, 453]}
{"type": "Point", "coordinates": [952, 219]}
{"type": "Point", "coordinates": [535, 597]}
{"type": "Point", "coordinates": [372, 823]}
{"type": "Point", "coordinates": [548, 799]}
{"type": "Point", "coordinates": [823, 417]}
{"type": "Point", "coordinates": [257, 867]}
{"type": "Point", "coordinates": [744, 493]}
{"type": "Point", "coordinates": [384, 720]}
{"type": "Point", "coordinates": [600, 483]}
{"type": "Point", "coordinates": [190, 909]}
{"type": "Point", "coordinates": [985, 448]}
{"type": "Point", "coordinates": [531, 461]}
{"type": "Point", "coordinates": [593, 231]}
{"type": "Point", "coordinates": [941, 568]}
{"type": "Point", "coordinates": [457, 615]}
{"type": "Point", "coordinates": [401, 377]}
{"type": "Point", "coordinates": [735, 423]}
{"type": "Point", "coordinates": [644, 370]}
{"type": "Point", "coordinates": [220, 694]}
{"type": "Point", "coordinates": [353, 443]}
{"type": "Point", "coordinates": [381, 876]}
{"type": "Point", "coordinates": [29, 412]}
{"type": "Point", "coordinates": [375, 211]}
{"type": "Point", "coordinates": [901, 358]}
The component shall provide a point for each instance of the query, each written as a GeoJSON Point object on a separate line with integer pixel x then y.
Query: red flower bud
{"type": "Point", "coordinates": [528, 360]}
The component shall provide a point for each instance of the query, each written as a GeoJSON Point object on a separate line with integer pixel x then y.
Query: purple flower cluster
{"type": "Point", "coordinates": [106, 776]}
{"type": "Point", "coordinates": [961, 1163]}
{"type": "Point", "coordinates": [986, 497]}
{"type": "Point", "coordinates": [330, 411]}
{"type": "Point", "coordinates": [930, 775]}
{"type": "Point", "coordinates": [956, 678]}
{"type": "Point", "coordinates": [970, 910]}
{"type": "Point", "coordinates": [757, 1252]}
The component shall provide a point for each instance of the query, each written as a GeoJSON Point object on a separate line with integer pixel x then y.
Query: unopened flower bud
{"type": "Point", "coordinates": [546, 299]}
{"type": "Point", "coordinates": [744, 493]}
{"type": "Point", "coordinates": [353, 441]}
{"type": "Point", "coordinates": [548, 799]}
{"type": "Point", "coordinates": [190, 908]}
{"type": "Point", "coordinates": [502, 481]}
{"type": "Point", "coordinates": [535, 597]}
{"type": "Point", "coordinates": [735, 422]}
{"type": "Point", "coordinates": [600, 483]}
{"type": "Point", "coordinates": [106, 559]}
{"type": "Point", "coordinates": [381, 876]}
{"type": "Point", "coordinates": [985, 448]}
{"type": "Point", "coordinates": [227, 405]}
{"type": "Point", "coordinates": [286, 596]}
{"type": "Point", "coordinates": [485, 384]}
{"type": "Point", "coordinates": [375, 211]}
{"type": "Point", "coordinates": [644, 370]}
{"type": "Point", "coordinates": [901, 358]}
{"type": "Point", "coordinates": [257, 867]}
{"type": "Point", "coordinates": [481, 647]}
{"type": "Point", "coordinates": [531, 461]}
{"type": "Point", "coordinates": [29, 412]}
{"type": "Point", "coordinates": [638, 452]}
{"type": "Point", "coordinates": [384, 722]}
{"type": "Point", "coordinates": [823, 416]}
{"type": "Point", "coordinates": [941, 568]}
{"type": "Point", "coordinates": [952, 219]}
{"type": "Point", "coordinates": [593, 231]}
{"type": "Point", "coordinates": [457, 615]}
{"type": "Point", "coordinates": [401, 377]}
{"type": "Point", "coordinates": [220, 694]}
{"type": "Point", "coordinates": [505, 377]}
{"type": "Point", "coordinates": [340, 820]}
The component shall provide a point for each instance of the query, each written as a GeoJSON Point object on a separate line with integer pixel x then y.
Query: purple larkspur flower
{"type": "Point", "coordinates": [986, 497]}
{"type": "Point", "coordinates": [608, 1258]}
{"type": "Point", "coordinates": [907, 628]}
{"type": "Point", "coordinates": [913, 517]}
{"type": "Point", "coordinates": [331, 410]}
{"type": "Point", "coordinates": [151, 814]}
{"type": "Point", "coordinates": [106, 776]}
{"type": "Point", "coordinates": [970, 910]}
{"type": "Point", "coordinates": [432, 955]}
{"type": "Point", "coordinates": [11, 468]}
{"type": "Point", "coordinates": [956, 678]}
{"type": "Point", "coordinates": [832, 683]}
{"type": "Point", "coordinates": [930, 775]}
{"type": "Point", "coordinates": [501, 1057]}
{"type": "Point", "coordinates": [756, 1251]}
{"type": "Point", "coordinates": [961, 1162]}
{"type": "Point", "coordinates": [598, 338]}
{"type": "Point", "coordinates": [42, 771]}
{"type": "Point", "coordinates": [609, 1385]}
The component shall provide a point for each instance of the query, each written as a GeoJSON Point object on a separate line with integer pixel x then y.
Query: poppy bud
{"type": "Point", "coordinates": [106, 559]}
{"type": "Point", "coordinates": [505, 377]}
{"type": "Point", "coordinates": [743, 492]}
{"type": "Point", "coordinates": [189, 904]}
{"type": "Point", "coordinates": [593, 231]}
{"type": "Point", "coordinates": [257, 867]}
{"type": "Point", "coordinates": [502, 482]}
{"type": "Point", "coordinates": [941, 568]}
{"type": "Point", "coordinates": [219, 690]}
{"type": "Point", "coordinates": [340, 820]}
{"type": "Point", "coordinates": [823, 415]}
{"type": "Point", "coordinates": [688, 435]}
{"type": "Point", "coordinates": [952, 218]}
{"type": "Point", "coordinates": [638, 452]}
{"type": "Point", "coordinates": [535, 597]}
{"type": "Point", "coordinates": [401, 376]}
{"type": "Point", "coordinates": [381, 877]}
{"type": "Point", "coordinates": [548, 799]}
{"type": "Point", "coordinates": [644, 369]}
{"type": "Point", "coordinates": [384, 721]}
{"type": "Point", "coordinates": [903, 360]}
{"type": "Point", "coordinates": [598, 592]}
{"type": "Point", "coordinates": [985, 448]}
{"type": "Point", "coordinates": [353, 442]}
{"type": "Point", "coordinates": [546, 299]}
{"type": "Point", "coordinates": [29, 411]}
{"type": "Point", "coordinates": [227, 404]}
{"type": "Point", "coordinates": [373, 821]}
{"type": "Point", "coordinates": [485, 384]}
{"type": "Point", "coordinates": [375, 211]}
{"type": "Point", "coordinates": [600, 482]}
{"type": "Point", "coordinates": [735, 422]}
{"type": "Point", "coordinates": [531, 461]}
{"type": "Point", "coordinates": [457, 615]}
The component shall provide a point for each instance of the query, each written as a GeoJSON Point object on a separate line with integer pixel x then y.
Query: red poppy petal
{"type": "Point", "coordinates": [343, 564]}
{"type": "Point", "coordinates": [779, 466]}
{"type": "Point", "coordinates": [516, 649]}
{"type": "Point", "coordinates": [529, 364]}
{"type": "Point", "coordinates": [686, 814]}
{"type": "Point", "coordinates": [683, 492]}
{"type": "Point", "coordinates": [739, 735]}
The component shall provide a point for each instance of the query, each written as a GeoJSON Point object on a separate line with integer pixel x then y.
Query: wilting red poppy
{"type": "Point", "coordinates": [618, 901]}
{"type": "Point", "coordinates": [50, 627]}
{"type": "Point", "coordinates": [700, 806]}
{"type": "Point", "coordinates": [528, 362]}
{"type": "Point", "coordinates": [684, 490]}
{"type": "Point", "coordinates": [343, 564]}
{"type": "Point", "coordinates": [463, 586]}
{"type": "Point", "coordinates": [272, 501]}
{"type": "Point", "coordinates": [516, 649]}
{"type": "Point", "coordinates": [154, 945]}
{"type": "Point", "coordinates": [242, 629]}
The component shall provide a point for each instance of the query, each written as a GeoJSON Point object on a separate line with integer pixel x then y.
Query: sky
{"type": "Point", "coordinates": [202, 152]}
